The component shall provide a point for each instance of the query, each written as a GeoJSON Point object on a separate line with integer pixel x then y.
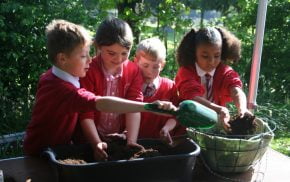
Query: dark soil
{"type": "Point", "coordinates": [118, 150]}
{"type": "Point", "coordinates": [242, 126]}
{"type": "Point", "coordinates": [146, 154]}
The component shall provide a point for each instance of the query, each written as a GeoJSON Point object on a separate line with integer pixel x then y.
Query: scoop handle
{"type": "Point", "coordinates": [154, 107]}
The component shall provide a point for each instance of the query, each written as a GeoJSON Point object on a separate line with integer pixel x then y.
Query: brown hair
{"type": "Point", "coordinates": [113, 30]}
{"type": "Point", "coordinates": [63, 37]}
{"type": "Point", "coordinates": [186, 51]}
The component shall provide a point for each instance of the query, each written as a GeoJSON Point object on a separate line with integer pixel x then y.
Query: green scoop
{"type": "Point", "coordinates": [190, 114]}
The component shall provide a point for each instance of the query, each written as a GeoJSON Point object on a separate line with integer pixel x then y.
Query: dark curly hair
{"type": "Point", "coordinates": [186, 51]}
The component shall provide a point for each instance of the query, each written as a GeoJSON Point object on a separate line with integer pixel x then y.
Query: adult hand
{"type": "Point", "coordinates": [99, 150]}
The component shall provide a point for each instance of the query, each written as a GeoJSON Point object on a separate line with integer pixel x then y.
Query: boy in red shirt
{"type": "Point", "coordinates": [112, 74]}
{"type": "Point", "coordinates": [59, 97]}
{"type": "Point", "coordinates": [203, 75]}
{"type": "Point", "coordinates": [150, 57]}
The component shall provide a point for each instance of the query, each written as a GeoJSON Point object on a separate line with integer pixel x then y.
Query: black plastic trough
{"type": "Point", "coordinates": [175, 164]}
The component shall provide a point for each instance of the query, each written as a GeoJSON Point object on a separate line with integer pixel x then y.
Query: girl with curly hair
{"type": "Point", "coordinates": [204, 75]}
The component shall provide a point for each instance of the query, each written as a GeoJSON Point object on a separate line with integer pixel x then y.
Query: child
{"type": "Point", "coordinates": [150, 57]}
{"type": "Point", "coordinates": [203, 75]}
{"type": "Point", "coordinates": [59, 98]}
{"type": "Point", "coordinates": [112, 74]}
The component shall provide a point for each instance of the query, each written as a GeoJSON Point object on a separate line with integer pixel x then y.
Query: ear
{"type": "Point", "coordinates": [61, 59]}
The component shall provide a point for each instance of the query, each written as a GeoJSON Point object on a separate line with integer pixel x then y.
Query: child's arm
{"type": "Point", "coordinates": [166, 129]}
{"type": "Point", "coordinates": [240, 100]}
{"type": "Point", "coordinates": [224, 114]}
{"type": "Point", "coordinates": [132, 126]}
{"type": "Point", "coordinates": [119, 105]}
{"type": "Point", "coordinates": [92, 135]}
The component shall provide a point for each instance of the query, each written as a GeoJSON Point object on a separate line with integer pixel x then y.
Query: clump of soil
{"type": "Point", "coordinates": [72, 161]}
{"type": "Point", "coordinates": [118, 150]}
{"type": "Point", "coordinates": [146, 154]}
{"type": "Point", "coordinates": [242, 125]}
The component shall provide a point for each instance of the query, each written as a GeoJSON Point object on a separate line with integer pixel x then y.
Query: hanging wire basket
{"type": "Point", "coordinates": [232, 154]}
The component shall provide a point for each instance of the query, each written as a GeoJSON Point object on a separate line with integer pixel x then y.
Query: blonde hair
{"type": "Point", "coordinates": [154, 47]}
{"type": "Point", "coordinates": [63, 37]}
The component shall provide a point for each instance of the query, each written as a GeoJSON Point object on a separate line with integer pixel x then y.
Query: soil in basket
{"type": "Point", "coordinates": [118, 150]}
{"type": "Point", "coordinates": [242, 125]}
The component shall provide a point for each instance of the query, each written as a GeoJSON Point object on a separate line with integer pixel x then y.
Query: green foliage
{"type": "Point", "coordinates": [274, 62]}
{"type": "Point", "coordinates": [13, 149]}
{"type": "Point", "coordinates": [24, 56]}
{"type": "Point", "coordinates": [277, 116]}
{"type": "Point", "coordinates": [282, 144]}
{"type": "Point", "coordinates": [23, 53]}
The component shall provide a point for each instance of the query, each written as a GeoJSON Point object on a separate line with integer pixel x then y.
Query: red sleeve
{"type": "Point", "coordinates": [187, 83]}
{"type": "Point", "coordinates": [230, 79]}
{"type": "Point", "coordinates": [89, 83]}
{"type": "Point", "coordinates": [225, 78]}
{"type": "Point", "coordinates": [86, 100]}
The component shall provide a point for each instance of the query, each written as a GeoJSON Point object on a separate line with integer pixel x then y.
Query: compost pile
{"type": "Point", "coordinates": [242, 125]}
{"type": "Point", "coordinates": [118, 150]}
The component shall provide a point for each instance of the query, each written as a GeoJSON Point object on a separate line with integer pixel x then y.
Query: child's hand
{"type": "Point", "coordinates": [165, 135]}
{"type": "Point", "coordinates": [134, 145]}
{"type": "Point", "coordinates": [100, 153]}
{"type": "Point", "coordinates": [243, 112]}
{"type": "Point", "coordinates": [224, 117]}
{"type": "Point", "coordinates": [165, 105]}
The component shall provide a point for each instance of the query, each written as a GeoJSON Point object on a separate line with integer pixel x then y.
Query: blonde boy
{"type": "Point", "coordinates": [150, 57]}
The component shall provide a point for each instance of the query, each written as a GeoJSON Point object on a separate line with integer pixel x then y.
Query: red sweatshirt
{"type": "Point", "coordinates": [189, 85]}
{"type": "Point", "coordinates": [151, 124]}
{"type": "Point", "coordinates": [55, 113]}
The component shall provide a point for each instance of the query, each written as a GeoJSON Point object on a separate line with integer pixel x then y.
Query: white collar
{"type": "Point", "coordinates": [201, 73]}
{"type": "Point", "coordinates": [66, 76]}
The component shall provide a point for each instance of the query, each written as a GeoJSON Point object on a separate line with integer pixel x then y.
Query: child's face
{"type": "Point", "coordinates": [114, 55]}
{"type": "Point", "coordinates": [77, 62]}
{"type": "Point", "coordinates": [208, 56]}
{"type": "Point", "coordinates": [149, 66]}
